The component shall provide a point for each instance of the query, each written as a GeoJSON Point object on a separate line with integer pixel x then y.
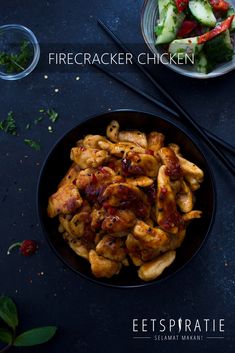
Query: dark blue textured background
{"type": "Point", "coordinates": [93, 318]}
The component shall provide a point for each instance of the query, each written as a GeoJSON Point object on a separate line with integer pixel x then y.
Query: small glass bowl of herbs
{"type": "Point", "coordinates": [19, 52]}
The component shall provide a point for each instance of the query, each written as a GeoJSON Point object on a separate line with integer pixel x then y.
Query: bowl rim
{"type": "Point", "coordinates": [86, 120]}
{"type": "Point", "coordinates": [175, 68]}
{"type": "Point", "coordinates": [36, 52]}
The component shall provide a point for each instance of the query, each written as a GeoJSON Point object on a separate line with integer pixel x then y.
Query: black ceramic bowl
{"type": "Point", "coordinates": [58, 162]}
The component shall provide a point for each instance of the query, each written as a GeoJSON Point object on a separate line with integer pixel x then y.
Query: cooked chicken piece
{"type": "Point", "coordinates": [139, 138]}
{"type": "Point", "coordinates": [91, 141]}
{"type": "Point", "coordinates": [150, 237]}
{"type": "Point", "coordinates": [148, 253]}
{"type": "Point", "coordinates": [78, 222]}
{"type": "Point", "coordinates": [149, 222]}
{"type": "Point", "coordinates": [167, 215]}
{"type": "Point", "coordinates": [192, 173]}
{"type": "Point", "coordinates": [155, 141]}
{"type": "Point", "coordinates": [111, 248]}
{"type": "Point", "coordinates": [115, 164]}
{"type": "Point", "coordinates": [118, 149]}
{"type": "Point", "coordinates": [75, 229]}
{"type": "Point", "coordinates": [193, 182]}
{"type": "Point", "coordinates": [119, 222]}
{"type": "Point", "coordinates": [171, 162]}
{"type": "Point", "coordinates": [138, 251]}
{"type": "Point", "coordinates": [140, 164]}
{"type": "Point", "coordinates": [66, 200]}
{"type": "Point", "coordinates": [97, 217]}
{"type": "Point", "coordinates": [86, 157]}
{"type": "Point", "coordinates": [112, 131]}
{"type": "Point", "coordinates": [102, 267]}
{"type": "Point", "coordinates": [71, 175]}
{"type": "Point", "coordinates": [127, 196]}
{"type": "Point", "coordinates": [176, 185]}
{"type": "Point", "coordinates": [75, 224]}
{"type": "Point", "coordinates": [153, 269]}
{"type": "Point", "coordinates": [191, 169]}
{"type": "Point", "coordinates": [64, 222]}
{"type": "Point", "coordinates": [84, 178]}
{"type": "Point", "coordinates": [184, 198]}
{"type": "Point", "coordinates": [175, 148]}
{"type": "Point", "coordinates": [103, 175]}
{"type": "Point", "coordinates": [191, 215]}
{"type": "Point", "coordinates": [141, 181]}
{"type": "Point", "coordinates": [176, 240]}
{"type": "Point", "coordinates": [77, 245]}
{"type": "Point", "coordinates": [134, 250]}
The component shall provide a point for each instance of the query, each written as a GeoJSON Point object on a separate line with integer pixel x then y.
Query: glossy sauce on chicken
{"type": "Point", "coordinates": [126, 201]}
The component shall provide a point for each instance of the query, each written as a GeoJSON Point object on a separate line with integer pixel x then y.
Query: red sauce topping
{"type": "Point", "coordinates": [151, 152]}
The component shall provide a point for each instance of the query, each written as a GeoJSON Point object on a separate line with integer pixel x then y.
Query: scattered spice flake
{"type": "Point", "coordinates": [40, 274]}
{"type": "Point", "coordinates": [50, 129]}
{"type": "Point", "coordinates": [53, 115]}
{"type": "Point", "coordinates": [33, 144]}
{"type": "Point", "coordinates": [28, 126]}
{"type": "Point", "coordinates": [46, 77]}
{"type": "Point", "coordinates": [56, 90]}
{"type": "Point", "coordinates": [9, 125]}
{"type": "Point", "coordinates": [77, 78]}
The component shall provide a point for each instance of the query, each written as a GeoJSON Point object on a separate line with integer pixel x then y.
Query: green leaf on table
{"type": "Point", "coordinates": [6, 336]}
{"type": "Point", "coordinates": [35, 336]}
{"type": "Point", "coordinates": [9, 125]}
{"type": "Point", "coordinates": [8, 312]}
{"type": "Point", "coordinates": [33, 144]}
{"type": "Point", "coordinates": [53, 115]}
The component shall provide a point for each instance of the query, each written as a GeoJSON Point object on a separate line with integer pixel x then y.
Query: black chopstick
{"type": "Point", "coordinates": [158, 103]}
{"type": "Point", "coordinates": [135, 89]}
{"type": "Point", "coordinates": [181, 110]}
{"type": "Point", "coordinates": [108, 31]}
{"type": "Point", "coordinates": [220, 142]}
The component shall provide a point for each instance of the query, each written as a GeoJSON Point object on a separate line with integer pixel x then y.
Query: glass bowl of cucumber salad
{"type": "Point", "coordinates": [192, 37]}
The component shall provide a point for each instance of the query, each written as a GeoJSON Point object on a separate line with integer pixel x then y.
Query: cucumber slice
{"type": "Point", "coordinates": [220, 48]}
{"type": "Point", "coordinates": [202, 11]}
{"type": "Point", "coordinates": [231, 12]}
{"type": "Point", "coordinates": [167, 28]}
{"type": "Point", "coordinates": [202, 63]}
{"type": "Point", "coordinates": [186, 46]}
{"type": "Point", "coordinates": [162, 6]}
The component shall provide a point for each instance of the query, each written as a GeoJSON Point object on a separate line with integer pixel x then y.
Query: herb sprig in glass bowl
{"type": "Point", "coordinates": [19, 52]}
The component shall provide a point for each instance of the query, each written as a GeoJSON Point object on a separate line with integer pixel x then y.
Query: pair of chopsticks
{"type": "Point", "coordinates": [213, 141]}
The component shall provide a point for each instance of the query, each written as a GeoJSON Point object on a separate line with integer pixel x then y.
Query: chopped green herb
{"type": "Point", "coordinates": [9, 125]}
{"type": "Point", "coordinates": [38, 120]}
{"type": "Point", "coordinates": [41, 110]}
{"type": "Point", "coordinates": [17, 62]}
{"type": "Point", "coordinates": [27, 126]}
{"type": "Point", "coordinates": [53, 115]}
{"type": "Point", "coordinates": [33, 144]}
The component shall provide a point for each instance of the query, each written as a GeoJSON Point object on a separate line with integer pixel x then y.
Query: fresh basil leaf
{"type": "Point", "coordinates": [6, 336]}
{"type": "Point", "coordinates": [35, 336]}
{"type": "Point", "coordinates": [8, 312]}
